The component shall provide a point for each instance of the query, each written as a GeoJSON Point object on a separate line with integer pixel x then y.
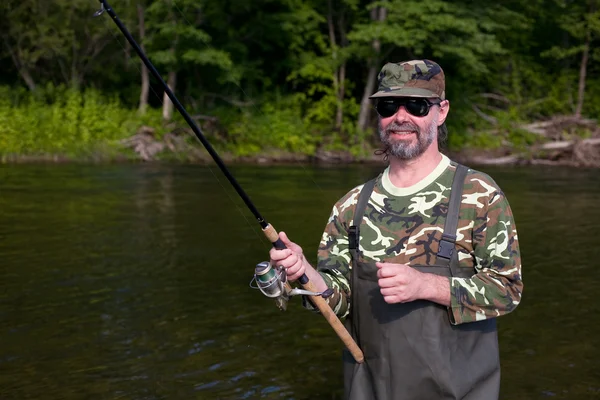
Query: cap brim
{"type": "Point", "coordinates": [405, 92]}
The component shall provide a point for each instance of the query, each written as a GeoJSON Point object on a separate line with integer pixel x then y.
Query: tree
{"type": "Point", "coordinates": [30, 37]}
{"type": "Point", "coordinates": [581, 22]}
{"type": "Point", "coordinates": [145, 76]}
{"type": "Point", "coordinates": [378, 16]}
{"type": "Point", "coordinates": [460, 32]}
{"type": "Point", "coordinates": [175, 39]}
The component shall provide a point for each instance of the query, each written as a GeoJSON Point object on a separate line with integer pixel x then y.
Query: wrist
{"type": "Point", "coordinates": [436, 288]}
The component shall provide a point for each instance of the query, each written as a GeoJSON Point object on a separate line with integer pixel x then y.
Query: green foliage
{"type": "Point", "coordinates": [64, 121]}
{"type": "Point", "coordinates": [175, 41]}
{"type": "Point", "coordinates": [73, 81]}
{"type": "Point", "coordinates": [463, 31]}
{"type": "Point", "coordinates": [276, 125]}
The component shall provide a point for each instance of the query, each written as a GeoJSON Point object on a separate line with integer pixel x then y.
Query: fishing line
{"type": "Point", "coordinates": [159, 97]}
{"type": "Point", "coordinates": [207, 45]}
{"type": "Point", "coordinates": [109, 29]}
{"type": "Point", "coordinates": [262, 272]}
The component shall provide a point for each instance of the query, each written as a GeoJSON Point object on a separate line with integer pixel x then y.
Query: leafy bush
{"type": "Point", "coordinates": [64, 121]}
{"type": "Point", "coordinates": [275, 125]}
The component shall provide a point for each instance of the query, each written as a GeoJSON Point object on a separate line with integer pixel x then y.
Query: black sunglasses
{"type": "Point", "coordinates": [419, 107]}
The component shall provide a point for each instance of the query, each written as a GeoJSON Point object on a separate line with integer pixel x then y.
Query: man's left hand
{"type": "Point", "coordinates": [399, 283]}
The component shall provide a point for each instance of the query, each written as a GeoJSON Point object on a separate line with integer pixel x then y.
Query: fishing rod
{"type": "Point", "coordinates": [272, 282]}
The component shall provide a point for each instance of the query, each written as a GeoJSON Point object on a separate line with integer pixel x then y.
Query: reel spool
{"type": "Point", "coordinates": [272, 283]}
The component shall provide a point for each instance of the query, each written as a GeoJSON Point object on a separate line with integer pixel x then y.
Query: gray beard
{"type": "Point", "coordinates": [402, 149]}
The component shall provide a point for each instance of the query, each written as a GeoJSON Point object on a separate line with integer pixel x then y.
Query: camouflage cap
{"type": "Point", "coordinates": [416, 78]}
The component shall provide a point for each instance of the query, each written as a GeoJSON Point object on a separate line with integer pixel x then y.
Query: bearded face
{"type": "Point", "coordinates": [406, 140]}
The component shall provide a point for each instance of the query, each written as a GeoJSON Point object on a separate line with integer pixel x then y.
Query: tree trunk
{"type": "Point", "coordinates": [167, 103]}
{"type": "Point", "coordinates": [339, 115]}
{"type": "Point", "coordinates": [342, 73]}
{"type": "Point", "coordinates": [582, 74]}
{"type": "Point", "coordinates": [23, 71]}
{"type": "Point", "coordinates": [145, 89]}
{"type": "Point", "coordinates": [378, 14]}
{"type": "Point", "coordinates": [75, 81]}
{"type": "Point", "coordinates": [365, 103]}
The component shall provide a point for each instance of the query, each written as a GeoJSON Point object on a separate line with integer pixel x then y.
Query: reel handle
{"type": "Point", "coordinates": [320, 302]}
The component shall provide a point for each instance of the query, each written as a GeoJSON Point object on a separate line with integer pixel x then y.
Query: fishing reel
{"type": "Point", "coordinates": [272, 282]}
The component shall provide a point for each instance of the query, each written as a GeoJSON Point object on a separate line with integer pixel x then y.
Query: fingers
{"type": "Point", "coordinates": [290, 258]}
{"type": "Point", "coordinates": [387, 282]}
{"type": "Point", "coordinates": [392, 299]}
{"type": "Point", "coordinates": [398, 283]}
{"type": "Point", "coordinates": [278, 255]}
{"type": "Point", "coordinates": [285, 258]}
{"type": "Point", "coordinates": [290, 261]}
{"type": "Point", "coordinates": [392, 295]}
{"type": "Point", "coordinates": [389, 291]}
{"type": "Point", "coordinates": [295, 271]}
{"type": "Point", "coordinates": [288, 243]}
{"type": "Point", "coordinates": [386, 270]}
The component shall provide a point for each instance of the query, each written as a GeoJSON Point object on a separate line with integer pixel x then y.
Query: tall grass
{"type": "Point", "coordinates": [63, 121]}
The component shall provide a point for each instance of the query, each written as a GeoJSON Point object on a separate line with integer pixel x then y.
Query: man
{"type": "Point", "coordinates": [424, 263]}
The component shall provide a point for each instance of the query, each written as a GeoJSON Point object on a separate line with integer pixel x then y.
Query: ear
{"type": "Point", "coordinates": [444, 109]}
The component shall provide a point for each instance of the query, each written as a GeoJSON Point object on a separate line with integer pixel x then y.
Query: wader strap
{"type": "Point", "coordinates": [447, 244]}
{"type": "Point", "coordinates": [353, 239]}
{"type": "Point", "coordinates": [359, 212]}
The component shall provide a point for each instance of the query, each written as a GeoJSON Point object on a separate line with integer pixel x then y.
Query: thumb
{"type": "Point", "coordinates": [288, 243]}
{"type": "Point", "coordinates": [284, 238]}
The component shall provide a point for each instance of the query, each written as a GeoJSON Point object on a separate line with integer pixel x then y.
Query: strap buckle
{"type": "Point", "coordinates": [446, 249]}
{"type": "Point", "coordinates": [353, 233]}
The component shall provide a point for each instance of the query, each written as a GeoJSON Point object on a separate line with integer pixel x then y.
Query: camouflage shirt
{"type": "Point", "coordinates": [404, 225]}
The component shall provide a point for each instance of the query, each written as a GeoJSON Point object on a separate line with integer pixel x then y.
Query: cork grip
{"type": "Point", "coordinates": [320, 303]}
{"type": "Point", "coordinates": [271, 233]}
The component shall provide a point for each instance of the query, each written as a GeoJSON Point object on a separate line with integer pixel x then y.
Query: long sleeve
{"type": "Point", "coordinates": [334, 261]}
{"type": "Point", "coordinates": [496, 288]}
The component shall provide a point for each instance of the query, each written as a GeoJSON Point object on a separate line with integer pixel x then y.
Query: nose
{"type": "Point", "coordinates": [401, 115]}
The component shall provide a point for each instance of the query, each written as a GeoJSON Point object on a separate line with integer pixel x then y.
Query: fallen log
{"type": "Point", "coordinates": [506, 160]}
{"type": "Point", "coordinates": [573, 152]}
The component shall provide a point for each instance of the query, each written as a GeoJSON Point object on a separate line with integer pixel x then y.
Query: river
{"type": "Point", "coordinates": [131, 281]}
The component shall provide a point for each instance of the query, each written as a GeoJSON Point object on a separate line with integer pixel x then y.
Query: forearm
{"type": "Point", "coordinates": [436, 289]}
{"type": "Point", "coordinates": [339, 300]}
{"type": "Point", "coordinates": [315, 278]}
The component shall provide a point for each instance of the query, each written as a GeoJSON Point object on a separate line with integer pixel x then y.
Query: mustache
{"type": "Point", "coordinates": [405, 126]}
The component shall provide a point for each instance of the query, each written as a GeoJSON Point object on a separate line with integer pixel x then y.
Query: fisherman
{"type": "Point", "coordinates": [422, 259]}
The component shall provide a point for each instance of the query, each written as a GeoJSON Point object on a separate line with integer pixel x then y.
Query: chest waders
{"type": "Point", "coordinates": [412, 352]}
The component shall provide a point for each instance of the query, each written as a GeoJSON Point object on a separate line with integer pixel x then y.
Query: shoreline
{"type": "Point", "coordinates": [556, 144]}
{"type": "Point", "coordinates": [475, 158]}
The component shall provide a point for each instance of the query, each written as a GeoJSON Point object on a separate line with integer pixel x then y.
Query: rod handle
{"type": "Point", "coordinates": [320, 302]}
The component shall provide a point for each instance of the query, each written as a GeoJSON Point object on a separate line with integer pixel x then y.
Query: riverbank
{"type": "Point", "coordinates": [65, 125]}
{"type": "Point", "coordinates": [470, 157]}
{"type": "Point", "coordinates": [560, 141]}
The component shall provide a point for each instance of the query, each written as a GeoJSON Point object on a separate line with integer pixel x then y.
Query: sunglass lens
{"type": "Point", "coordinates": [417, 107]}
{"type": "Point", "coordinates": [387, 108]}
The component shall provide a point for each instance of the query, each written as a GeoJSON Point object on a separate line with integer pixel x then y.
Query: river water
{"type": "Point", "coordinates": [132, 282]}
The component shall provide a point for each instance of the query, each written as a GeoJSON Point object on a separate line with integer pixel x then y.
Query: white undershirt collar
{"type": "Point", "coordinates": [423, 183]}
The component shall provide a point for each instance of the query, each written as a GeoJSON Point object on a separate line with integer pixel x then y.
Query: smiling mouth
{"type": "Point", "coordinates": [402, 133]}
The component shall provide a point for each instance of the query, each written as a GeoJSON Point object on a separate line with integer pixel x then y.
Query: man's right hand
{"type": "Point", "coordinates": [292, 258]}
